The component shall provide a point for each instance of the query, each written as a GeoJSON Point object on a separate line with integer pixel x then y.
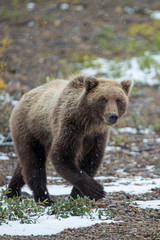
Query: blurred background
{"type": "Point", "coordinates": [42, 40]}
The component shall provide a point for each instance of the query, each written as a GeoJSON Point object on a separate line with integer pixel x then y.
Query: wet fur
{"type": "Point", "coordinates": [64, 121]}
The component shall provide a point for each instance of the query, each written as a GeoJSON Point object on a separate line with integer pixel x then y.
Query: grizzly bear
{"type": "Point", "coordinates": [69, 123]}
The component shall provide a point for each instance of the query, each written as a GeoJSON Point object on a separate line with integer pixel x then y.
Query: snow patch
{"type": "Point", "coordinates": [8, 99]}
{"type": "Point", "coordinates": [3, 156]}
{"type": "Point", "coordinates": [135, 131]}
{"type": "Point", "coordinates": [64, 6]}
{"type": "Point", "coordinates": [48, 225]}
{"type": "Point", "coordinates": [55, 179]}
{"type": "Point", "coordinates": [127, 69]}
{"type": "Point", "coordinates": [155, 15]}
{"type": "Point", "coordinates": [121, 172]}
{"type": "Point", "coordinates": [112, 148]}
{"type": "Point", "coordinates": [146, 140]}
{"type": "Point", "coordinates": [31, 24]}
{"type": "Point", "coordinates": [56, 190]}
{"type": "Point", "coordinates": [136, 185]}
{"type": "Point", "coordinates": [2, 138]}
{"type": "Point", "coordinates": [154, 204]}
{"type": "Point", "coordinates": [31, 5]}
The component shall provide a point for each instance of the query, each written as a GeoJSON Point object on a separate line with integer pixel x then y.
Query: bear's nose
{"type": "Point", "coordinates": [113, 117]}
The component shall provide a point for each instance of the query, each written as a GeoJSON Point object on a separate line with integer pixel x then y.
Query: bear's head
{"type": "Point", "coordinates": [104, 100]}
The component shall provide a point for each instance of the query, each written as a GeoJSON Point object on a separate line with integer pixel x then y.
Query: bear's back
{"type": "Point", "coordinates": [36, 107]}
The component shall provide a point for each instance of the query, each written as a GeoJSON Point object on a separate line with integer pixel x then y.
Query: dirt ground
{"type": "Point", "coordinates": [42, 43]}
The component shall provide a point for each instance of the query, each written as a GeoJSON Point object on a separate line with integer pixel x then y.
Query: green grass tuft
{"type": "Point", "coordinates": [27, 211]}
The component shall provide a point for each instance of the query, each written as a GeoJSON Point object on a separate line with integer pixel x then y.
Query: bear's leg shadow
{"type": "Point", "coordinates": [16, 183]}
{"type": "Point", "coordinates": [92, 159]}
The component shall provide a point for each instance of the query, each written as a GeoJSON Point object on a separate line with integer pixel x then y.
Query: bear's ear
{"type": "Point", "coordinates": [82, 81]}
{"type": "Point", "coordinates": [90, 82]}
{"type": "Point", "coordinates": [127, 86]}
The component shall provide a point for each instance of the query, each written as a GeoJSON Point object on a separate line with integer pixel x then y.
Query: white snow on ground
{"type": "Point", "coordinates": [64, 6]}
{"type": "Point", "coordinates": [7, 99]}
{"type": "Point", "coordinates": [6, 144]}
{"type": "Point", "coordinates": [2, 138]}
{"type": "Point", "coordinates": [3, 156]}
{"type": "Point", "coordinates": [56, 190]}
{"type": "Point", "coordinates": [48, 225]}
{"type": "Point", "coordinates": [55, 179]}
{"type": "Point", "coordinates": [6, 156]}
{"type": "Point", "coordinates": [127, 69]}
{"type": "Point", "coordinates": [127, 130]}
{"type": "Point", "coordinates": [147, 140]}
{"type": "Point", "coordinates": [103, 178]}
{"type": "Point", "coordinates": [134, 130]}
{"type": "Point", "coordinates": [31, 5]}
{"type": "Point", "coordinates": [112, 148]}
{"type": "Point", "coordinates": [155, 204]}
{"type": "Point", "coordinates": [118, 149]}
{"type": "Point", "coordinates": [136, 185]}
{"type": "Point", "coordinates": [121, 171]}
{"type": "Point", "coordinates": [155, 15]}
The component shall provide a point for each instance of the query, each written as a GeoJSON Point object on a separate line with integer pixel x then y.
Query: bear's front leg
{"type": "Point", "coordinates": [92, 158]}
{"type": "Point", "coordinates": [63, 154]}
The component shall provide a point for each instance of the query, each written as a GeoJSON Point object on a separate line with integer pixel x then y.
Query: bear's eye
{"type": "Point", "coordinates": [119, 103]}
{"type": "Point", "coordinates": [104, 100]}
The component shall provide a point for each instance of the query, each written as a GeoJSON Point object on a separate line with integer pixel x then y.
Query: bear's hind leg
{"type": "Point", "coordinates": [33, 161]}
{"type": "Point", "coordinates": [16, 183]}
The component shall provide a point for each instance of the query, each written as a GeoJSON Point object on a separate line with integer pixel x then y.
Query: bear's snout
{"type": "Point", "coordinates": [112, 118]}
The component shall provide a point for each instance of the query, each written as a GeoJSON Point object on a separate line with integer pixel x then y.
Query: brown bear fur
{"type": "Point", "coordinates": [68, 122]}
